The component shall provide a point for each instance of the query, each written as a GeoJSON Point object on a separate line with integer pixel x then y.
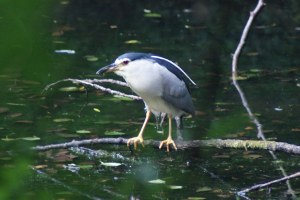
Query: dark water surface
{"type": "Point", "coordinates": [44, 41]}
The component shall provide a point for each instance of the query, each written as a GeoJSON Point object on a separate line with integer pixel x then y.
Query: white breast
{"type": "Point", "coordinates": [145, 78]}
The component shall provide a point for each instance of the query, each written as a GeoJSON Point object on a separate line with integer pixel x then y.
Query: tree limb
{"type": "Point", "coordinates": [254, 119]}
{"type": "Point", "coordinates": [91, 83]}
{"type": "Point", "coordinates": [246, 30]}
{"type": "Point", "coordinates": [218, 143]}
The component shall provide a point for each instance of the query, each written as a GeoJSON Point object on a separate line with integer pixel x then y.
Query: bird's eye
{"type": "Point", "coordinates": [125, 62]}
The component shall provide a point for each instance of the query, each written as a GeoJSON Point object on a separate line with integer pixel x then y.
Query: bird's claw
{"type": "Point", "coordinates": [135, 140]}
{"type": "Point", "coordinates": [168, 142]}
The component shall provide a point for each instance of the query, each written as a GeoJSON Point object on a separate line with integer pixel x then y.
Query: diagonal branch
{"type": "Point", "coordinates": [246, 30]}
{"type": "Point", "coordinates": [92, 83]}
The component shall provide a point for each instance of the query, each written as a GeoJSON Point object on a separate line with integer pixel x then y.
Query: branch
{"type": "Point", "coordinates": [61, 184]}
{"type": "Point", "coordinates": [236, 55]}
{"type": "Point", "coordinates": [240, 46]}
{"type": "Point", "coordinates": [91, 83]}
{"type": "Point", "coordinates": [245, 103]}
{"type": "Point", "coordinates": [218, 143]}
{"type": "Point", "coordinates": [263, 185]}
{"type": "Point", "coordinates": [254, 119]}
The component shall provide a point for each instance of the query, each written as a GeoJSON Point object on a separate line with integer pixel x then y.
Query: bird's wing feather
{"type": "Point", "coordinates": [176, 93]}
{"type": "Point", "coordinates": [175, 69]}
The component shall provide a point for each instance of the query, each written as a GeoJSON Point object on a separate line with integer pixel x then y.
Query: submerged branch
{"type": "Point", "coordinates": [217, 143]}
{"type": "Point", "coordinates": [263, 185]}
{"type": "Point", "coordinates": [56, 182]}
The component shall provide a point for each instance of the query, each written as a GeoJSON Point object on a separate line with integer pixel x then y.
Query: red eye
{"type": "Point", "coordinates": [125, 62]}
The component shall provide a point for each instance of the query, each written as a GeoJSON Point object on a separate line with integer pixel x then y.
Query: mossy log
{"type": "Point", "coordinates": [181, 145]}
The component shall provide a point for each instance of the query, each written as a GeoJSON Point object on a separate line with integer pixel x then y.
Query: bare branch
{"type": "Point", "coordinates": [218, 143]}
{"type": "Point", "coordinates": [245, 103]}
{"type": "Point", "coordinates": [121, 83]}
{"type": "Point", "coordinates": [236, 54]}
{"type": "Point", "coordinates": [91, 83]}
{"type": "Point", "coordinates": [240, 46]}
{"type": "Point", "coordinates": [254, 119]}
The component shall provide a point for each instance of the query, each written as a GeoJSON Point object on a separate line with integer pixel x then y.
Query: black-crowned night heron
{"type": "Point", "coordinates": [162, 85]}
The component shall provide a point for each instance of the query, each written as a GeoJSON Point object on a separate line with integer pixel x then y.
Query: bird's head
{"type": "Point", "coordinates": [122, 62]}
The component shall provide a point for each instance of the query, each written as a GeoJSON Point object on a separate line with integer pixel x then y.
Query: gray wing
{"type": "Point", "coordinates": [177, 94]}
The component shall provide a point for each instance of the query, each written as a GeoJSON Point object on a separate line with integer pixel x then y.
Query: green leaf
{"type": "Point", "coordinates": [196, 198]}
{"type": "Point", "coordinates": [132, 42]}
{"type": "Point", "coordinates": [175, 187]}
{"type": "Point", "coordinates": [7, 139]}
{"type": "Point", "coordinates": [152, 15]}
{"type": "Point", "coordinates": [91, 58]}
{"type": "Point", "coordinates": [86, 166]}
{"type": "Point", "coordinates": [110, 164]}
{"type": "Point", "coordinates": [16, 104]}
{"type": "Point", "coordinates": [83, 131]}
{"type": "Point", "coordinates": [114, 133]}
{"type": "Point", "coordinates": [24, 121]}
{"type": "Point", "coordinates": [157, 181]}
{"type": "Point", "coordinates": [33, 138]}
{"type": "Point", "coordinates": [255, 70]}
{"type": "Point", "coordinates": [203, 189]}
{"type": "Point", "coordinates": [96, 109]}
{"type": "Point", "coordinates": [69, 89]}
{"type": "Point", "coordinates": [60, 120]}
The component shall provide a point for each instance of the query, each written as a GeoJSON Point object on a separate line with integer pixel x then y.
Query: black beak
{"type": "Point", "coordinates": [107, 68]}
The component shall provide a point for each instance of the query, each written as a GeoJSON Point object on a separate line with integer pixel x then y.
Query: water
{"type": "Point", "coordinates": [42, 43]}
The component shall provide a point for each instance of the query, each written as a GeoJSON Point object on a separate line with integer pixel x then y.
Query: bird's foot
{"type": "Point", "coordinates": [168, 141]}
{"type": "Point", "coordinates": [135, 140]}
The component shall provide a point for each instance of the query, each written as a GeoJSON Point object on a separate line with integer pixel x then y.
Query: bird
{"type": "Point", "coordinates": [162, 84]}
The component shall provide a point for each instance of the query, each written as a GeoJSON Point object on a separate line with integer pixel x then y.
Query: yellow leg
{"type": "Point", "coordinates": [139, 138]}
{"type": "Point", "coordinates": [169, 140]}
